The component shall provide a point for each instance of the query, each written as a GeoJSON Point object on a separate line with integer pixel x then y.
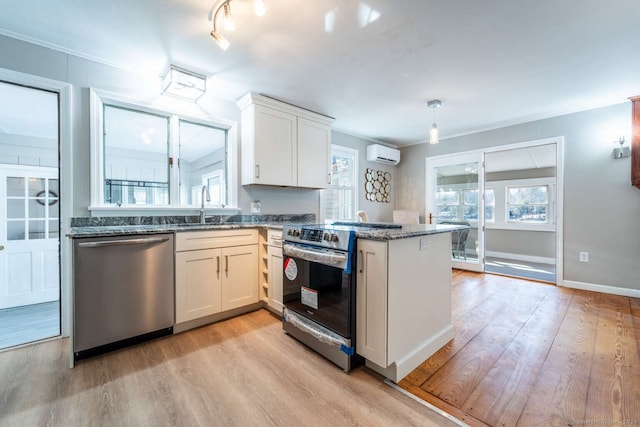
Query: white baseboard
{"type": "Point", "coordinates": [518, 257]}
{"type": "Point", "coordinates": [613, 290]}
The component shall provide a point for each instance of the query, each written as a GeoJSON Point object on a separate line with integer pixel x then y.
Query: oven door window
{"type": "Point", "coordinates": [319, 292]}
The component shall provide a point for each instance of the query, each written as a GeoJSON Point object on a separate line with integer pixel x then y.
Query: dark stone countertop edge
{"type": "Point", "coordinates": [407, 231]}
{"type": "Point", "coordinates": [115, 230]}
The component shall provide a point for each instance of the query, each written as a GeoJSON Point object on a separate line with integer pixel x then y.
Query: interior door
{"type": "Point", "coordinates": [455, 195]}
{"type": "Point", "coordinates": [29, 235]}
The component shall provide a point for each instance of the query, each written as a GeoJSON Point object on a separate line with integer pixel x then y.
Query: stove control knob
{"type": "Point", "coordinates": [325, 236]}
{"type": "Point", "coordinates": [296, 233]}
{"type": "Point", "coordinates": [289, 232]}
{"type": "Point", "coordinates": [333, 237]}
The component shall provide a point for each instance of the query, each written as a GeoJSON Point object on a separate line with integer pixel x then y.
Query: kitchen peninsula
{"type": "Point", "coordinates": [403, 296]}
{"type": "Point", "coordinates": [403, 281]}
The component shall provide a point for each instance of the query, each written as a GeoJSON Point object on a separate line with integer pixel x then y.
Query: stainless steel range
{"type": "Point", "coordinates": [319, 288]}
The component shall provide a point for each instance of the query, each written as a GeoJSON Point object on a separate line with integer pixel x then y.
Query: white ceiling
{"type": "Point", "coordinates": [371, 64]}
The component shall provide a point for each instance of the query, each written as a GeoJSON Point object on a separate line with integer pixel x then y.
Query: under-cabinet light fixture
{"type": "Point", "coordinates": [229, 25]}
{"type": "Point", "coordinates": [183, 84]}
{"type": "Point", "coordinates": [622, 152]}
{"type": "Point", "coordinates": [434, 133]}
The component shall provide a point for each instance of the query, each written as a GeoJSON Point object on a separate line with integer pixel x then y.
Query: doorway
{"type": "Point", "coordinates": [520, 224]}
{"type": "Point", "coordinates": [30, 284]}
{"type": "Point", "coordinates": [510, 197]}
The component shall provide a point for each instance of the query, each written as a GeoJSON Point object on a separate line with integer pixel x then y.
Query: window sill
{"type": "Point", "coordinates": [159, 211]}
{"type": "Point", "coordinates": [522, 227]}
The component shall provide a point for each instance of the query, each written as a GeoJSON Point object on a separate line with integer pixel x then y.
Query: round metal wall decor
{"type": "Point", "coordinates": [377, 186]}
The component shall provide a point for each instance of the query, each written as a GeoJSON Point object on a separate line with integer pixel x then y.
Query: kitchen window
{"type": "Point", "coordinates": [149, 157]}
{"type": "Point", "coordinates": [339, 200]}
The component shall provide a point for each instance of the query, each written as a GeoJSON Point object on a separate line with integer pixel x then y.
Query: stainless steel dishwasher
{"type": "Point", "coordinates": [123, 291]}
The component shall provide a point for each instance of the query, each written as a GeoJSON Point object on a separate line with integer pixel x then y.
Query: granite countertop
{"type": "Point", "coordinates": [101, 228]}
{"type": "Point", "coordinates": [114, 230]}
{"type": "Point", "coordinates": [113, 226]}
{"type": "Point", "coordinates": [407, 231]}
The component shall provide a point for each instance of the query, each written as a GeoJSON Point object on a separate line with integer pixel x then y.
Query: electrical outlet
{"type": "Point", "coordinates": [584, 256]}
{"type": "Point", "coordinates": [255, 207]}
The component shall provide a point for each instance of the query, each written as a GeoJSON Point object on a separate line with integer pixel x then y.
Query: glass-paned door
{"type": "Point", "coordinates": [455, 185]}
{"type": "Point", "coordinates": [30, 231]}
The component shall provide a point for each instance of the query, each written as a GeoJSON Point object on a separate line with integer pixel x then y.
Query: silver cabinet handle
{"type": "Point", "coordinates": [257, 171]}
{"type": "Point", "coordinates": [361, 261]}
{"type": "Point", "coordinates": [125, 242]}
{"type": "Point", "coordinates": [218, 268]}
{"type": "Point", "coordinates": [329, 178]}
{"type": "Point", "coordinates": [226, 263]}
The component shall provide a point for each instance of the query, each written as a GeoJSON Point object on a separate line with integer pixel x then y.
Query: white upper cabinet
{"type": "Point", "coordinates": [314, 154]}
{"type": "Point", "coordinates": [283, 145]}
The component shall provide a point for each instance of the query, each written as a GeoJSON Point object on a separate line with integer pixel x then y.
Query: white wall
{"type": "Point", "coordinates": [376, 211]}
{"type": "Point", "coordinates": [28, 150]}
{"type": "Point", "coordinates": [601, 208]}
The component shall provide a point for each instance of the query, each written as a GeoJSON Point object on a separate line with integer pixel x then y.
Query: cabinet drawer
{"type": "Point", "coordinates": [274, 238]}
{"type": "Point", "coordinates": [194, 240]}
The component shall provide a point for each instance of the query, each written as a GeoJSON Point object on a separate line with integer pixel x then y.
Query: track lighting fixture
{"type": "Point", "coordinates": [229, 24]}
{"type": "Point", "coordinates": [434, 133]}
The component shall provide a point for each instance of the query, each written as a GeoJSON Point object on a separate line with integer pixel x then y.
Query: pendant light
{"type": "Point", "coordinates": [434, 133]}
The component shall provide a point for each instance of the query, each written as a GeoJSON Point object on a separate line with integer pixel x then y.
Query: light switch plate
{"type": "Point", "coordinates": [424, 243]}
{"type": "Point", "coordinates": [584, 256]}
{"type": "Point", "coordinates": [255, 207]}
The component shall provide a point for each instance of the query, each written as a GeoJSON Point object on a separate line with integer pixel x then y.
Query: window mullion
{"type": "Point", "coordinates": [174, 153]}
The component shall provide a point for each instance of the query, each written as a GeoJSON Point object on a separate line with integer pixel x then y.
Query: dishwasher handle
{"type": "Point", "coordinates": [123, 242]}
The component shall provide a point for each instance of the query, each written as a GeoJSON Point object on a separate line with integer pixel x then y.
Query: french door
{"type": "Point", "coordinates": [29, 235]}
{"type": "Point", "coordinates": [455, 195]}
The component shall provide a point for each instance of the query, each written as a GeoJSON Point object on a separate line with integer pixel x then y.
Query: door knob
{"type": "Point", "coordinates": [1, 247]}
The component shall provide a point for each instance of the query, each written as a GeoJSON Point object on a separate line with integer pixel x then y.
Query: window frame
{"type": "Point", "coordinates": [342, 150]}
{"type": "Point", "coordinates": [501, 209]}
{"type": "Point", "coordinates": [508, 204]}
{"type": "Point", "coordinates": [176, 112]}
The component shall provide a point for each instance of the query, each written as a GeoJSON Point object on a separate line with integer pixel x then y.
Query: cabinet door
{"type": "Point", "coordinates": [371, 302]}
{"type": "Point", "coordinates": [275, 278]}
{"type": "Point", "coordinates": [239, 276]}
{"type": "Point", "coordinates": [314, 151]}
{"type": "Point", "coordinates": [275, 147]}
{"type": "Point", "coordinates": [198, 275]}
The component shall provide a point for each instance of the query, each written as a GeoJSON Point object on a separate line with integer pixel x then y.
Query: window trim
{"type": "Point", "coordinates": [501, 209]}
{"type": "Point", "coordinates": [98, 98]}
{"type": "Point", "coordinates": [341, 149]}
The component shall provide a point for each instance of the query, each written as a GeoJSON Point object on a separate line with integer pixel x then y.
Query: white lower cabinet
{"type": "Point", "coordinates": [275, 278]}
{"type": "Point", "coordinates": [239, 276]}
{"type": "Point", "coordinates": [403, 307]}
{"type": "Point", "coordinates": [215, 271]}
{"type": "Point", "coordinates": [371, 310]}
{"type": "Point", "coordinates": [197, 284]}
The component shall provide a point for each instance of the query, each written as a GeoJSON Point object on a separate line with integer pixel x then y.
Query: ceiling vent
{"type": "Point", "coordinates": [381, 154]}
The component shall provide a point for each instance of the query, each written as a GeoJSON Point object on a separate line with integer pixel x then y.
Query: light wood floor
{"type": "Point", "coordinates": [533, 354]}
{"type": "Point", "coordinates": [245, 371]}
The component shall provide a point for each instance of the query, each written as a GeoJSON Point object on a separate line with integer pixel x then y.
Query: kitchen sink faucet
{"type": "Point", "coordinates": [205, 192]}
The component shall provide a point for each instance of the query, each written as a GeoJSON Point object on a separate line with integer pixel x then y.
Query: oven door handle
{"type": "Point", "coordinates": [326, 257]}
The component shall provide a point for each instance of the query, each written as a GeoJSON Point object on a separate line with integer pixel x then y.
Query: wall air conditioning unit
{"type": "Point", "coordinates": [380, 153]}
